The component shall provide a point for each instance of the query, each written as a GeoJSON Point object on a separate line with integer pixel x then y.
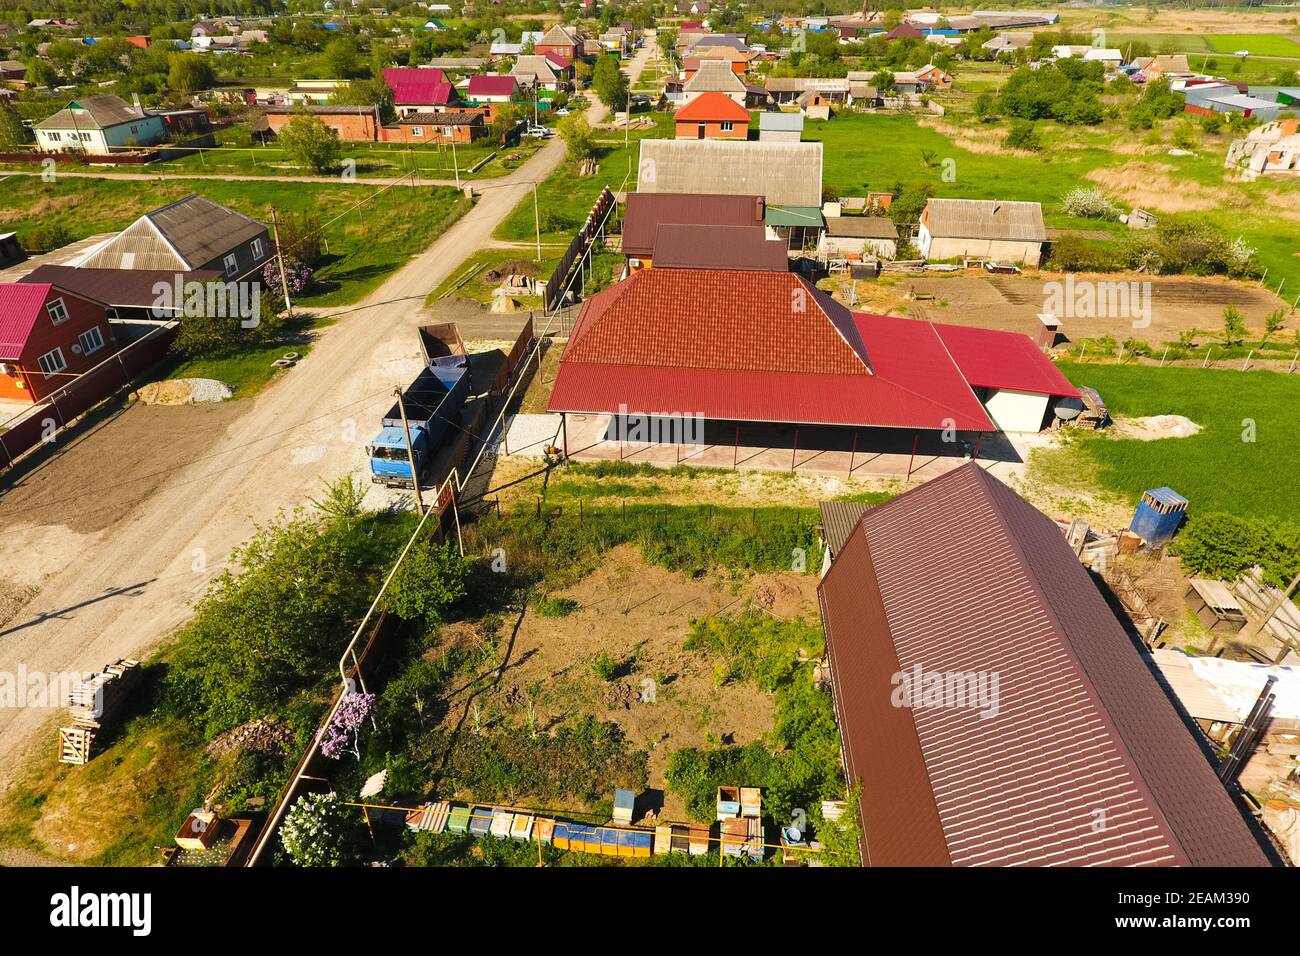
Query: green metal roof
{"type": "Point", "coordinates": [793, 216]}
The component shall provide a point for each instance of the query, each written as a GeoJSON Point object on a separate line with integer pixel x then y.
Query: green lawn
{"type": "Point", "coordinates": [1259, 44]}
{"type": "Point", "coordinates": [874, 152]}
{"type": "Point", "coordinates": [565, 198]}
{"type": "Point", "coordinates": [1216, 470]}
{"type": "Point", "coordinates": [364, 247]}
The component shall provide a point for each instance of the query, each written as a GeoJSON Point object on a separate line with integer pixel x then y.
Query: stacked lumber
{"type": "Point", "coordinates": [92, 703]}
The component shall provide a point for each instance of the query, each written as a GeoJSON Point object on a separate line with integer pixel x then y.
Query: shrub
{"type": "Point", "coordinates": [605, 667]}
{"type": "Point", "coordinates": [1234, 326]}
{"type": "Point", "coordinates": [557, 607]}
{"type": "Point", "coordinates": [1088, 202]}
{"type": "Point", "coordinates": [318, 831]}
{"type": "Point", "coordinates": [429, 582]}
{"type": "Point", "coordinates": [1024, 135]}
{"type": "Point", "coordinates": [1222, 545]}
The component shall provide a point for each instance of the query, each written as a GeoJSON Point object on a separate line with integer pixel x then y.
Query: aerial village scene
{"type": "Point", "coordinates": [520, 433]}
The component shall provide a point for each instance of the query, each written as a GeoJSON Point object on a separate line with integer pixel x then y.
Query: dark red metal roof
{"type": "Point", "coordinates": [745, 248]}
{"type": "Point", "coordinates": [993, 359]}
{"type": "Point", "coordinates": [646, 212]}
{"type": "Point", "coordinates": [418, 87]}
{"type": "Point", "coordinates": [1086, 760]}
{"type": "Point", "coordinates": [485, 85]}
{"type": "Point", "coordinates": [760, 347]}
{"type": "Point", "coordinates": [117, 287]}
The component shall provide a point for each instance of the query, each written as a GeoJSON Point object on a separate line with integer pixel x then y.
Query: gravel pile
{"type": "Point", "coordinates": [208, 390]}
{"type": "Point", "coordinates": [185, 391]}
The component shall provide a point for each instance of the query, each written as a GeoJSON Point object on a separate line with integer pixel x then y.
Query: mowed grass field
{"type": "Point", "coordinates": [364, 246]}
{"type": "Point", "coordinates": [1217, 469]}
{"type": "Point", "coordinates": [1259, 44]}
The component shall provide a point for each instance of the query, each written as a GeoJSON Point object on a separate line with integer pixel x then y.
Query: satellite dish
{"type": "Point", "coordinates": [1068, 409]}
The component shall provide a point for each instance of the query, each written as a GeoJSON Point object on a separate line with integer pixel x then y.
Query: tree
{"type": "Point", "coordinates": [428, 582]}
{"type": "Point", "coordinates": [342, 58]}
{"type": "Point", "coordinates": [1024, 135]}
{"type": "Point", "coordinates": [367, 92]}
{"type": "Point", "coordinates": [12, 132]}
{"type": "Point", "coordinates": [610, 83]}
{"type": "Point", "coordinates": [309, 142]}
{"type": "Point", "coordinates": [189, 73]}
{"type": "Point", "coordinates": [577, 136]}
{"type": "Point", "coordinates": [884, 82]}
{"type": "Point", "coordinates": [1234, 327]}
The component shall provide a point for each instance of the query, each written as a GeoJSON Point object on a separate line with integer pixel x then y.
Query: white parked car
{"type": "Point", "coordinates": [563, 111]}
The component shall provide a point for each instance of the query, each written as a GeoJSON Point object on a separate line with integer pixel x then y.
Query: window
{"type": "Point", "coordinates": [727, 126]}
{"type": "Point", "coordinates": [231, 264]}
{"type": "Point", "coordinates": [58, 311]}
{"type": "Point", "coordinates": [257, 249]}
{"type": "Point", "coordinates": [52, 362]}
{"type": "Point", "coordinates": [417, 130]}
{"type": "Point", "coordinates": [91, 341]}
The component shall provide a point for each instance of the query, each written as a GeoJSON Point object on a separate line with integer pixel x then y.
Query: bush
{"type": "Point", "coordinates": [431, 580]}
{"type": "Point", "coordinates": [605, 667]}
{"type": "Point", "coordinates": [318, 831]}
{"type": "Point", "coordinates": [1219, 545]}
{"type": "Point", "coordinates": [1024, 135]}
{"type": "Point", "coordinates": [557, 607]}
{"type": "Point", "coordinates": [1089, 202]}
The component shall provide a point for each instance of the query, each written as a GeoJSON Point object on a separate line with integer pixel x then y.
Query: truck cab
{"type": "Point", "coordinates": [389, 462]}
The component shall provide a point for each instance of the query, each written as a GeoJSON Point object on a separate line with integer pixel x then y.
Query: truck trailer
{"type": "Point", "coordinates": [433, 406]}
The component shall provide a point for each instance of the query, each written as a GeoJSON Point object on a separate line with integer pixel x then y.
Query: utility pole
{"type": "Point", "coordinates": [455, 165]}
{"type": "Point", "coordinates": [410, 452]}
{"type": "Point", "coordinates": [537, 223]}
{"type": "Point", "coordinates": [279, 258]}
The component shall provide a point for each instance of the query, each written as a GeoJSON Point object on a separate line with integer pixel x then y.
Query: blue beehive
{"type": "Point", "coordinates": [1158, 516]}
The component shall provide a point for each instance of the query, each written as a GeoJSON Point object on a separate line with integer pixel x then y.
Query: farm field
{"type": "Point", "coordinates": [361, 249]}
{"type": "Point", "coordinates": [1216, 469]}
{"type": "Point", "coordinates": [1259, 44]}
{"type": "Point", "coordinates": [877, 151]}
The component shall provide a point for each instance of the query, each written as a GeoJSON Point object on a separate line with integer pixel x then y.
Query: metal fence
{"type": "Point", "coordinates": [48, 417]}
{"type": "Point", "coordinates": [593, 229]}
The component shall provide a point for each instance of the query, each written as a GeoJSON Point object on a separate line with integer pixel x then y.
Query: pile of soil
{"type": "Point", "coordinates": [264, 735]}
{"type": "Point", "coordinates": [512, 267]}
{"type": "Point", "coordinates": [1153, 427]}
{"type": "Point", "coordinates": [184, 391]}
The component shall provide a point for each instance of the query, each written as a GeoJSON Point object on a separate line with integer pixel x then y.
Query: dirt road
{"type": "Point", "coordinates": [122, 588]}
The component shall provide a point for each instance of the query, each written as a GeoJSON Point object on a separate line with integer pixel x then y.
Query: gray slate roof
{"type": "Point", "coordinates": [785, 122]}
{"type": "Point", "coordinates": [985, 219]}
{"type": "Point", "coordinates": [185, 235]}
{"type": "Point", "coordinates": [93, 112]}
{"type": "Point", "coordinates": [861, 227]}
{"type": "Point", "coordinates": [714, 76]}
{"type": "Point", "coordinates": [785, 174]}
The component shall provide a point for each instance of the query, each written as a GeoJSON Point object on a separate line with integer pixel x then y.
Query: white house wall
{"type": "Point", "coordinates": [1014, 411]}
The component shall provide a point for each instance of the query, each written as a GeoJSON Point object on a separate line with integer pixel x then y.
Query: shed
{"type": "Point", "coordinates": [1001, 230]}
{"type": "Point", "coordinates": [1158, 516]}
{"type": "Point", "coordinates": [780, 127]}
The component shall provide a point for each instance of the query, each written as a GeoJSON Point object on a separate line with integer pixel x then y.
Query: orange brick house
{"type": "Point", "coordinates": [352, 124]}
{"type": "Point", "coordinates": [712, 116]}
{"type": "Point", "coordinates": [48, 336]}
{"type": "Point", "coordinates": [461, 127]}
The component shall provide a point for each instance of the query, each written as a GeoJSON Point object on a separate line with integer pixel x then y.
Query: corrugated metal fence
{"type": "Point", "coordinates": [591, 230]}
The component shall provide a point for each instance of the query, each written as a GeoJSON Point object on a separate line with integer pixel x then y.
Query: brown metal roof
{"type": "Point", "coordinates": [132, 288]}
{"type": "Point", "coordinates": [743, 248]}
{"type": "Point", "coordinates": [646, 212]}
{"type": "Point", "coordinates": [93, 112]}
{"type": "Point", "coordinates": [839, 518]}
{"type": "Point", "coordinates": [1086, 760]}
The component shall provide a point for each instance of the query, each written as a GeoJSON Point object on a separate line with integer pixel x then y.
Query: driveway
{"type": "Point", "coordinates": [119, 590]}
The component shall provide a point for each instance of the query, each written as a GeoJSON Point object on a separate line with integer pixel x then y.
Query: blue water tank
{"type": "Point", "coordinates": [1158, 516]}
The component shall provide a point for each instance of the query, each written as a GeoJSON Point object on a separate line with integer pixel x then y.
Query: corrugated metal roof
{"type": "Point", "coordinates": [1085, 762]}
{"type": "Point", "coordinates": [785, 174]}
{"type": "Point", "coordinates": [645, 212]}
{"type": "Point", "coordinates": [714, 76]}
{"type": "Point", "coordinates": [92, 112]}
{"type": "Point", "coordinates": [746, 248]}
{"type": "Point", "coordinates": [484, 85]}
{"type": "Point", "coordinates": [414, 86]}
{"type": "Point", "coordinates": [839, 518]}
{"type": "Point", "coordinates": [992, 359]}
{"type": "Point", "coordinates": [985, 219]}
{"type": "Point", "coordinates": [771, 121]}
{"type": "Point", "coordinates": [757, 346]}
{"type": "Point", "coordinates": [21, 304]}
{"type": "Point", "coordinates": [132, 288]}
{"type": "Point", "coordinates": [181, 236]}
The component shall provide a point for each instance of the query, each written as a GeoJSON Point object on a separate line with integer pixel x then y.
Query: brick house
{"type": "Point", "coordinates": [351, 124]}
{"type": "Point", "coordinates": [562, 40]}
{"type": "Point", "coordinates": [48, 335]}
{"type": "Point", "coordinates": [712, 116]}
{"type": "Point", "coordinates": [417, 90]}
{"type": "Point", "coordinates": [459, 127]}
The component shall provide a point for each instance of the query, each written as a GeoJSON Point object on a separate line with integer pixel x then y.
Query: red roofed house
{"type": "Point", "coordinates": [644, 213]}
{"type": "Point", "coordinates": [994, 708]}
{"type": "Point", "coordinates": [560, 39]}
{"type": "Point", "coordinates": [489, 88]}
{"type": "Point", "coordinates": [417, 90]}
{"type": "Point", "coordinates": [765, 357]}
{"type": "Point", "coordinates": [48, 335]}
{"type": "Point", "coordinates": [712, 116]}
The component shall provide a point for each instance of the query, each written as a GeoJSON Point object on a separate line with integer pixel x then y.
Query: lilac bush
{"type": "Point", "coordinates": [298, 276]}
{"type": "Point", "coordinates": [343, 732]}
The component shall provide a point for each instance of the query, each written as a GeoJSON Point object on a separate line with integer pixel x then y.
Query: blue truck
{"type": "Point", "coordinates": [433, 406]}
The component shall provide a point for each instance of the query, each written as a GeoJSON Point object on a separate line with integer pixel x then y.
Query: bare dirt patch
{"type": "Point", "coordinates": [116, 465]}
{"type": "Point", "coordinates": [1153, 427]}
{"type": "Point", "coordinates": [639, 615]}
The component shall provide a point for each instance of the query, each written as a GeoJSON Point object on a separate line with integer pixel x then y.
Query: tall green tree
{"type": "Point", "coordinates": [309, 142]}
{"type": "Point", "coordinates": [610, 83]}
{"type": "Point", "coordinates": [189, 73]}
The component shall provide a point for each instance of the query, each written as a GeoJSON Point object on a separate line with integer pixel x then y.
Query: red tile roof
{"type": "Point", "coordinates": [563, 62]}
{"type": "Point", "coordinates": [485, 85]}
{"type": "Point", "coordinates": [693, 246]}
{"type": "Point", "coordinates": [1086, 760]}
{"type": "Point", "coordinates": [413, 86]}
{"type": "Point", "coordinates": [21, 304]}
{"type": "Point", "coordinates": [712, 108]}
{"type": "Point", "coordinates": [993, 359]}
{"type": "Point", "coordinates": [760, 347]}
{"type": "Point", "coordinates": [646, 212]}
